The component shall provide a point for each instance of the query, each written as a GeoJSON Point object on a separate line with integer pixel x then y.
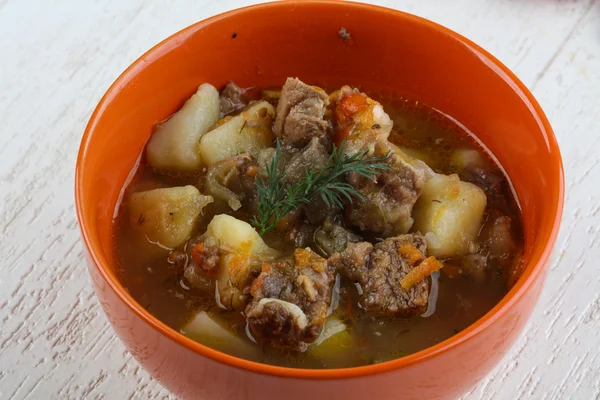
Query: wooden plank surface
{"type": "Point", "coordinates": [58, 57]}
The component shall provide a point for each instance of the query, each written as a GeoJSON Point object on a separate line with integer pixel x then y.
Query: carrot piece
{"type": "Point", "coordinates": [350, 105]}
{"type": "Point", "coordinates": [410, 253]}
{"type": "Point", "coordinates": [345, 108]}
{"type": "Point", "coordinates": [238, 264]}
{"type": "Point", "coordinates": [308, 258]}
{"type": "Point", "coordinates": [198, 253]}
{"type": "Point", "coordinates": [420, 272]}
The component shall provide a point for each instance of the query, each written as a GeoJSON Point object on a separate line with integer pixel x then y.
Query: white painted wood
{"type": "Point", "coordinates": [58, 57]}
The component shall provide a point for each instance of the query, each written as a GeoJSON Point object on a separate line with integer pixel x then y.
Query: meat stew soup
{"type": "Point", "coordinates": [303, 229]}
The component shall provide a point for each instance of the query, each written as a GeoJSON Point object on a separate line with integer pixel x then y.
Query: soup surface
{"type": "Point", "coordinates": [301, 228]}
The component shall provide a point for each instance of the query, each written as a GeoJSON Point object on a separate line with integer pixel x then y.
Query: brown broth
{"type": "Point", "coordinates": [462, 299]}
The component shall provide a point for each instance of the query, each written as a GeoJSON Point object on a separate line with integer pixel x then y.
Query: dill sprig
{"type": "Point", "coordinates": [278, 199]}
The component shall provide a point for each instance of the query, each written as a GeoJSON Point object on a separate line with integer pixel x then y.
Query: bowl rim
{"type": "Point", "coordinates": [528, 277]}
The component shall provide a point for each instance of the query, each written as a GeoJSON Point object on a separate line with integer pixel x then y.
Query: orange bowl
{"type": "Point", "coordinates": [389, 53]}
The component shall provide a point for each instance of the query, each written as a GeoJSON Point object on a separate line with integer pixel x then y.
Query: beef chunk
{"type": "Point", "coordinates": [296, 164]}
{"type": "Point", "coordinates": [231, 99]}
{"type": "Point", "coordinates": [490, 182]}
{"type": "Point", "coordinates": [313, 155]}
{"type": "Point", "coordinates": [264, 159]}
{"type": "Point", "coordinates": [499, 239]}
{"type": "Point", "coordinates": [379, 269]}
{"type": "Point", "coordinates": [300, 113]}
{"type": "Point", "coordinates": [495, 186]}
{"type": "Point", "coordinates": [291, 300]}
{"type": "Point", "coordinates": [389, 197]}
{"type": "Point", "coordinates": [200, 263]}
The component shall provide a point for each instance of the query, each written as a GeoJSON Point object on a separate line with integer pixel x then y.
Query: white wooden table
{"type": "Point", "coordinates": [58, 57]}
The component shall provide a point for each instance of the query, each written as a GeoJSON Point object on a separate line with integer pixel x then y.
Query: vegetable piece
{"type": "Point", "coordinates": [335, 339]}
{"type": "Point", "coordinates": [173, 146]}
{"type": "Point", "coordinates": [449, 214]}
{"type": "Point", "coordinates": [466, 158]}
{"type": "Point", "coordinates": [166, 217]}
{"type": "Point", "coordinates": [242, 251]}
{"type": "Point", "coordinates": [226, 180]}
{"type": "Point", "coordinates": [420, 272]}
{"type": "Point", "coordinates": [236, 234]}
{"type": "Point", "coordinates": [207, 330]}
{"type": "Point", "coordinates": [247, 132]}
{"type": "Point", "coordinates": [359, 118]}
{"type": "Point", "coordinates": [278, 199]}
{"type": "Point", "coordinates": [410, 253]}
{"type": "Point", "coordinates": [332, 238]}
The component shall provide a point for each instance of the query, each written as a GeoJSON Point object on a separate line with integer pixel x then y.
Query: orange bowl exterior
{"type": "Point", "coordinates": [390, 53]}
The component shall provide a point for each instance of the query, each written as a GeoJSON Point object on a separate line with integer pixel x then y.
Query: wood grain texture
{"type": "Point", "coordinates": [58, 58]}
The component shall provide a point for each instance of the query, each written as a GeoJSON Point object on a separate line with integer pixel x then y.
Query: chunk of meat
{"type": "Point", "coordinates": [314, 155]}
{"type": "Point", "coordinates": [379, 270]}
{"type": "Point", "coordinates": [230, 99]}
{"type": "Point", "coordinates": [300, 113]}
{"type": "Point", "coordinates": [265, 157]}
{"type": "Point", "coordinates": [499, 238]}
{"type": "Point", "coordinates": [311, 156]}
{"type": "Point", "coordinates": [291, 300]}
{"type": "Point", "coordinates": [201, 264]}
{"type": "Point", "coordinates": [295, 164]}
{"type": "Point", "coordinates": [389, 197]}
{"type": "Point", "coordinates": [206, 257]}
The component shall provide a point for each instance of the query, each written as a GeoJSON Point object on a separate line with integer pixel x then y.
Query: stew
{"type": "Point", "coordinates": [304, 228]}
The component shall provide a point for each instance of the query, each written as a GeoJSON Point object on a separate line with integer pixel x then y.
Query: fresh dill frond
{"type": "Point", "coordinates": [276, 199]}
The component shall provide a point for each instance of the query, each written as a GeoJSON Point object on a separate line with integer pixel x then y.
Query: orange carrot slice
{"type": "Point", "coordinates": [420, 272]}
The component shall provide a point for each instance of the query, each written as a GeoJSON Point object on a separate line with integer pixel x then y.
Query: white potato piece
{"type": "Point", "coordinates": [449, 213]}
{"type": "Point", "coordinates": [207, 330]}
{"type": "Point", "coordinates": [173, 147]}
{"type": "Point", "coordinates": [238, 235]}
{"type": "Point", "coordinates": [244, 250]}
{"type": "Point", "coordinates": [166, 217]}
{"type": "Point", "coordinates": [248, 132]}
{"type": "Point", "coordinates": [465, 158]}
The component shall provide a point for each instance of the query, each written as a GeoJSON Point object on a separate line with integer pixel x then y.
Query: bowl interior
{"type": "Point", "coordinates": [393, 54]}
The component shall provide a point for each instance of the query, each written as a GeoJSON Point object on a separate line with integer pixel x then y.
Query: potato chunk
{"type": "Point", "coordinates": [166, 217]}
{"type": "Point", "coordinates": [243, 251]}
{"type": "Point", "coordinates": [207, 330]}
{"type": "Point", "coordinates": [173, 147]}
{"type": "Point", "coordinates": [247, 132]}
{"type": "Point", "coordinates": [449, 214]}
{"type": "Point", "coordinates": [466, 158]}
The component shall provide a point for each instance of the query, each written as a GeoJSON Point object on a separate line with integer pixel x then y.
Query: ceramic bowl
{"type": "Point", "coordinates": [384, 51]}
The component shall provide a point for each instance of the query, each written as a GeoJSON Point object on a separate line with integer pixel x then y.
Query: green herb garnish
{"type": "Point", "coordinates": [278, 199]}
